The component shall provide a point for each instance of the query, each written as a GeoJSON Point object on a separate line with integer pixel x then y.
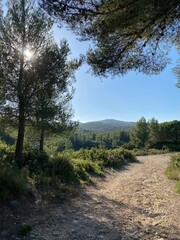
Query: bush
{"type": "Point", "coordinates": [107, 158]}
{"type": "Point", "coordinates": [74, 170]}
{"type": "Point", "coordinates": [93, 154]}
{"type": "Point", "coordinates": [128, 155]}
{"type": "Point", "coordinates": [13, 182]}
{"type": "Point", "coordinates": [63, 168]}
{"type": "Point", "coordinates": [118, 157]}
{"type": "Point", "coordinates": [89, 166]}
{"type": "Point", "coordinates": [37, 162]}
{"type": "Point", "coordinates": [6, 152]}
{"type": "Point", "coordinates": [67, 167]}
{"type": "Point", "coordinates": [81, 174]}
{"type": "Point", "coordinates": [173, 170]}
{"type": "Point", "coordinates": [92, 162]}
{"type": "Point", "coordinates": [139, 152]}
{"type": "Point", "coordinates": [172, 173]}
{"type": "Point", "coordinates": [128, 146]}
{"type": "Point", "coordinates": [151, 151]}
{"type": "Point", "coordinates": [175, 161]}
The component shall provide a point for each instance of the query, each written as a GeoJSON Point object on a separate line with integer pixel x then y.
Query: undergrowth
{"type": "Point", "coordinates": [173, 170]}
{"type": "Point", "coordinates": [13, 181]}
{"type": "Point", "coordinates": [150, 151]}
{"type": "Point", "coordinates": [64, 168]}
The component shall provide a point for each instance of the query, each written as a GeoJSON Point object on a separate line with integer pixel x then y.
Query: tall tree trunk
{"type": "Point", "coordinates": [20, 138]}
{"type": "Point", "coordinates": [21, 123]}
{"type": "Point", "coordinates": [41, 145]}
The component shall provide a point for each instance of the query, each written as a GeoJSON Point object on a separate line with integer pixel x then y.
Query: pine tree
{"type": "Point", "coordinates": [127, 35]}
{"type": "Point", "coordinates": [51, 109]}
{"type": "Point", "coordinates": [154, 131]}
{"type": "Point", "coordinates": [31, 64]}
{"type": "Point", "coordinates": [140, 133]}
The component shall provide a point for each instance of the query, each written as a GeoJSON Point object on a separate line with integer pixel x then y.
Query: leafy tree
{"type": "Point", "coordinates": [140, 133]}
{"type": "Point", "coordinates": [153, 131]}
{"type": "Point", "coordinates": [52, 118]}
{"type": "Point", "coordinates": [170, 131]}
{"type": "Point", "coordinates": [24, 32]}
{"type": "Point", "coordinates": [52, 110]}
{"type": "Point", "coordinates": [30, 64]}
{"type": "Point", "coordinates": [127, 35]}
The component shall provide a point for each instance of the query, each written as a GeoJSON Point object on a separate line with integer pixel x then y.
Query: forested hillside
{"type": "Point", "coordinates": [107, 125]}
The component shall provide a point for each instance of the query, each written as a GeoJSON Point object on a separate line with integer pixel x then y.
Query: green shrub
{"type": "Point", "coordinates": [67, 167]}
{"type": "Point", "coordinates": [139, 152]}
{"type": "Point", "coordinates": [172, 173]}
{"type": "Point", "coordinates": [63, 168]}
{"type": "Point", "coordinates": [88, 162]}
{"type": "Point", "coordinates": [173, 170]}
{"type": "Point", "coordinates": [37, 162]}
{"type": "Point", "coordinates": [13, 183]}
{"type": "Point", "coordinates": [93, 154]}
{"type": "Point", "coordinates": [6, 152]}
{"type": "Point", "coordinates": [175, 161]}
{"type": "Point", "coordinates": [127, 155]}
{"type": "Point", "coordinates": [107, 158]}
{"type": "Point", "coordinates": [118, 157]}
{"type": "Point", "coordinates": [128, 146]}
{"type": "Point", "coordinates": [89, 166]}
{"type": "Point", "coordinates": [150, 151]}
{"type": "Point", "coordinates": [81, 174]}
{"type": "Point", "coordinates": [153, 151]}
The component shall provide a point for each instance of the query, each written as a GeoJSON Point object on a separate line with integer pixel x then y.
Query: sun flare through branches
{"type": "Point", "coordinates": [28, 54]}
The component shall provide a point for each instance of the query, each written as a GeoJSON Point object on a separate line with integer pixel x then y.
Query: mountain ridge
{"type": "Point", "coordinates": [107, 125]}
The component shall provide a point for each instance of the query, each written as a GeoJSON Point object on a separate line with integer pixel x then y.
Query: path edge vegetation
{"type": "Point", "coordinates": [59, 173]}
{"type": "Point", "coordinates": [173, 170]}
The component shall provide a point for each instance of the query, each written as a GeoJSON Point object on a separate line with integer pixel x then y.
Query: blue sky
{"type": "Point", "coordinates": [126, 98]}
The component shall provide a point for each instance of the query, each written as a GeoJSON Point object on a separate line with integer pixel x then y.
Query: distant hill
{"type": "Point", "coordinates": [106, 125]}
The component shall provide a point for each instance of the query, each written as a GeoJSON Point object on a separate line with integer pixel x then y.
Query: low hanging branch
{"type": "Point", "coordinates": [127, 34]}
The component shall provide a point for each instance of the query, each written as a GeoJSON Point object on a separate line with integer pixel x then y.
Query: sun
{"type": "Point", "coordinates": [28, 54]}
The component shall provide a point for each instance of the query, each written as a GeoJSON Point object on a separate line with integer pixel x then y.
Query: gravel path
{"type": "Point", "coordinates": [138, 202]}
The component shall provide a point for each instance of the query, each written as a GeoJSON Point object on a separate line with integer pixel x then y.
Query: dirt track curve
{"type": "Point", "coordinates": [138, 202]}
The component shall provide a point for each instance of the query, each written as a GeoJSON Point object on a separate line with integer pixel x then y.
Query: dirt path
{"type": "Point", "coordinates": [138, 202]}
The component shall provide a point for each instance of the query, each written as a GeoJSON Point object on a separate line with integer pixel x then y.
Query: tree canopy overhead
{"type": "Point", "coordinates": [127, 34]}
